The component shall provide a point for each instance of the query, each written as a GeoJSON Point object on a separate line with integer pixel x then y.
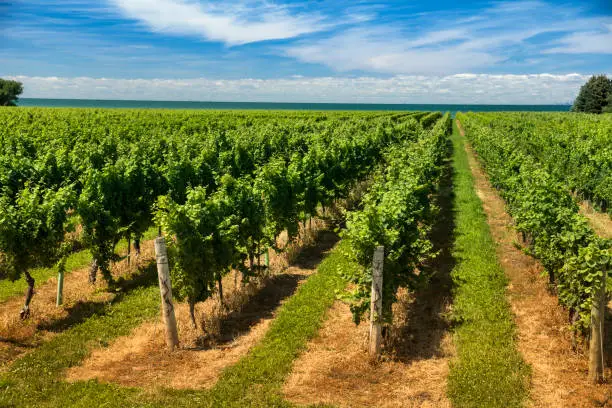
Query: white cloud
{"type": "Point", "coordinates": [592, 42]}
{"type": "Point", "coordinates": [449, 45]}
{"type": "Point", "coordinates": [460, 89]}
{"type": "Point", "coordinates": [229, 22]}
{"type": "Point", "coordinates": [385, 51]}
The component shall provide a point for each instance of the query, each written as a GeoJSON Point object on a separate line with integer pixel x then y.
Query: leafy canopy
{"type": "Point", "coordinates": [594, 96]}
{"type": "Point", "coordinates": [9, 92]}
{"type": "Point", "coordinates": [608, 108]}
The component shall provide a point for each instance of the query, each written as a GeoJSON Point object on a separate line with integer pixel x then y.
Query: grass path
{"type": "Point", "coordinates": [558, 377]}
{"type": "Point", "coordinates": [257, 380]}
{"type": "Point", "coordinates": [489, 371]}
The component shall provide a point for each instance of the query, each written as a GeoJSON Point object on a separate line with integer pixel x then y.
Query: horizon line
{"type": "Point", "coordinates": [294, 103]}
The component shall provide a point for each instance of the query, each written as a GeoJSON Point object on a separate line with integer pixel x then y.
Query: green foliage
{"type": "Point", "coordinates": [32, 225]}
{"type": "Point", "coordinates": [594, 95]}
{"type": "Point", "coordinates": [608, 107]}
{"type": "Point", "coordinates": [213, 233]}
{"type": "Point", "coordinates": [9, 92]}
{"type": "Point", "coordinates": [430, 119]}
{"type": "Point", "coordinates": [543, 209]}
{"type": "Point", "coordinates": [397, 213]}
{"type": "Point", "coordinates": [573, 148]}
{"type": "Point", "coordinates": [74, 261]}
{"type": "Point", "coordinates": [581, 276]}
{"type": "Point", "coordinates": [119, 162]}
{"type": "Point", "coordinates": [218, 231]}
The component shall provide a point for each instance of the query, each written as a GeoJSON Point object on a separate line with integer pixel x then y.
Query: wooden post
{"type": "Point", "coordinates": [596, 346]}
{"type": "Point", "coordinates": [165, 288]}
{"type": "Point", "coordinates": [267, 257]}
{"type": "Point", "coordinates": [60, 287]}
{"type": "Point", "coordinates": [376, 302]}
{"type": "Point", "coordinates": [129, 243]}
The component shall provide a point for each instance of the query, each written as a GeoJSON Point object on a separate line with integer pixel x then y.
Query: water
{"type": "Point", "coordinates": [95, 103]}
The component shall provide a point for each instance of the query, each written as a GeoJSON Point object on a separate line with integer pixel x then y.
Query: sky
{"type": "Point", "coordinates": [500, 52]}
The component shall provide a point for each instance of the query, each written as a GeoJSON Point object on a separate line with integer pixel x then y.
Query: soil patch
{"type": "Point", "coordinates": [81, 300]}
{"type": "Point", "coordinates": [600, 222]}
{"type": "Point", "coordinates": [336, 370]}
{"type": "Point", "coordinates": [559, 375]}
{"type": "Point", "coordinates": [230, 331]}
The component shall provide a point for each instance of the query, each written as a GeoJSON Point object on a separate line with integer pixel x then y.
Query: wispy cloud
{"type": "Point", "coordinates": [460, 88]}
{"type": "Point", "coordinates": [230, 22]}
{"type": "Point", "coordinates": [592, 42]}
{"type": "Point", "coordinates": [387, 51]}
{"type": "Point", "coordinates": [521, 30]}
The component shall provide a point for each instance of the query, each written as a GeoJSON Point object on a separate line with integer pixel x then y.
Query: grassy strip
{"type": "Point", "coordinates": [76, 260]}
{"type": "Point", "coordinates": [489, 371]}
{"type": "Point", "coordinates": [257, 379]}
{"type": "Point", "coordinates": [36, 380]}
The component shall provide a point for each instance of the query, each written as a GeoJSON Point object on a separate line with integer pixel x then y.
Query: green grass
{"type": "Point", "coordinates": [256, 380]}
{"type": "Point", "coordinates": [36, 380]}
{"type": "Point", "coordinates": [488, 370]}
{"type": "Point", "coordinates": [76, 260]}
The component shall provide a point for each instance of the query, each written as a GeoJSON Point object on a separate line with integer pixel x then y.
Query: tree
{"type": "Point", "coordinates": [608, 109]}
{"type": "Point", "coordinates": [594, 96]}
{"type": "Point", "coordinates": [9, 92]}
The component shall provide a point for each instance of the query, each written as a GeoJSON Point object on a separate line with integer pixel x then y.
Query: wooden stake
{"type": "Point", "coordinates": [596, 352]}
{"type": "Point", "coordinates": [60, 287]}
{"type": "Point", "coordinates": [376, 302]}
{"type": "Point", "coordinates": [220, 280]}
{"type": "Point", "coordinates": [165, 288]}
{"type": "Point", "coordinates": [267, 258]}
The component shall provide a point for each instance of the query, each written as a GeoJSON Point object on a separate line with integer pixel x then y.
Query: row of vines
{"type": "Point", "coordinates": [223, 184]}
{"type": "Point", "coordinates": [574, 148]}
{"type": "Point", "coordinates": [397, 213]}
{"type": "Point", "coordinates": [535, 163]}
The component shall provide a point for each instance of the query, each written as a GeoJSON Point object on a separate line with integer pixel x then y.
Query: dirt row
{"type": "Point", "coordinates": [600, 222]}
{"type": "Point", "coordinates": [559, 375]}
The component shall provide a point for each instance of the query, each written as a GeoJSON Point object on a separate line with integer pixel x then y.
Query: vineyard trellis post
{"type": "Point", "coordinates": [165, 288]}
{"type": "Point", "coordinates": [596, 352]}
{"type": "Point", "coordinates": [60, 287]}
{"type": "Point", "coordinates": [61, 271]}
{"type": "Point", "coordinates": [376, 302]}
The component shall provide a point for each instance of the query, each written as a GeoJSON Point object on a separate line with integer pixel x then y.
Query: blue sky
{"type": "Point", "coordinates": [323, 51]}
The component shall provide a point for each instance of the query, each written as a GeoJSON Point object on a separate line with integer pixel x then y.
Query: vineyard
{"type": "Point", "coordinates": [537, 164]}
{"type": "Point", "coordinates": [299, 255]}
